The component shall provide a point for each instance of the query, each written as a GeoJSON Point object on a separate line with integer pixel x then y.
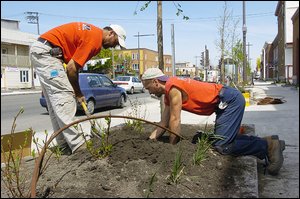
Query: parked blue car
{"type": "Point", "coordinates": [99, 91]}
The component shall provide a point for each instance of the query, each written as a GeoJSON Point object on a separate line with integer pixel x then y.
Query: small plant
{"type": "Point", "coordinates": [203, 145]}
{"type": "Point", "coordinates": [178, 167]}
{"type": "Point", "coordinates": [135, 112]}
{"type": "Point", "coordinates": [150, 187]}
{"type": "Point", "coordinates": [56, 150]}
{"type": "Point", "coordinates": [13, 180]}
{"type": "Point", "coordinates": [105, 147]}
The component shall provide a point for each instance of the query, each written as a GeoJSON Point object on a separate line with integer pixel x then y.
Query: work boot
{"type": "Point", "coordinates": [275, 156]}
{"type": "Point", "coordinates": [282, 142]}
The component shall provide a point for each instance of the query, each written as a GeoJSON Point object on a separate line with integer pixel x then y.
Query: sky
{"type": "Point", "coordinates": [190, 36]}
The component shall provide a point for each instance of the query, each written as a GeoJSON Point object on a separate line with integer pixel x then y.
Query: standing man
{"type": "Point", "coordinates": [203, 98]}
{"type": "Point", "coordinates": [74, 44]}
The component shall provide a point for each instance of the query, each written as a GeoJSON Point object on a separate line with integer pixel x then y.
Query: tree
{"type": "Point", "coordinates": [99, 67]}
{"type": "Point", "coordinates": [228, 37]}
{"type": "Point", "coordinates": [125, 61]}
{"type": "Point", "coordinates": [238, 56]}
{"type": "Point", "coordinates": [258, 64]}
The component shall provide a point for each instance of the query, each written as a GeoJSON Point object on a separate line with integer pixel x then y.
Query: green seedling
{"type": "Point", "coordinates": [136, 111]}
{"type": "Point", "coordinates": [13, 179]}
{"type": "Point", "coordinates": [202, 146]}
{"type": "Point", "coordinates": [105, 148]}
{"type": "Point", "coordinates": [204, 143]}
{"type": "Point", "coordinates": [150, 187]}
{"type": "Point", "coordinates": [178, 167]}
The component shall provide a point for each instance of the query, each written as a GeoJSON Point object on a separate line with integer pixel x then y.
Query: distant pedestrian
{"type": "Point", "coordinates": [203, 98]}
{"type": "Point", "coordinates": [74, 44]}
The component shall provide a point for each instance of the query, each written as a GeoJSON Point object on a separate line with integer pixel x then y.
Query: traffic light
{"type": "Point", "coordinates": [202, 59]}
{"type": "Point", "coordinates": [220, 63]}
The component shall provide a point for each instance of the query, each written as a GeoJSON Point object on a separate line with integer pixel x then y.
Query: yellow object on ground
{"type": "Point", "coordinates": [247, 98]}
{"type": "Point", "coordinates": [19, 143]}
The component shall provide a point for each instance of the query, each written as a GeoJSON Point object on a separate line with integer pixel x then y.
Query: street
{"type": "Point", "coordinates": [37, 117]}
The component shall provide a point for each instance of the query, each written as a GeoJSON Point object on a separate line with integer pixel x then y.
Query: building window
{"type": "Point", "coordinates": [4, 51]}
{"type": "Point", "coordinates": [23, 75]}
{"type": "Point", "coordinates": [167, 60]}
{"type": "Point", "coordinates": [134, 56]}
{"type": "Point", "coordinates": [135, 66]}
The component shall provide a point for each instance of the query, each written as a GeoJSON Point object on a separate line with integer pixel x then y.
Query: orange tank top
{"type": "Point", "coordinates": [202, 96]}
{"type": "Point", "coordinates": [79, 41]}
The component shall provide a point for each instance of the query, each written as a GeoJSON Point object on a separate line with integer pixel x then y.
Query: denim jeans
{"type": "Point", "coordinates": [227, 126]}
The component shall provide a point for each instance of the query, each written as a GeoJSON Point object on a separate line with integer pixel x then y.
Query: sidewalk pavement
{"type": "Point", "coordinates": [283, 120]}
{"type": "Point", "coordinates": [5, 92]}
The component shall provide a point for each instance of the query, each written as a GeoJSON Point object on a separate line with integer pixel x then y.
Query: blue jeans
{"type": "Point", "coordinates": [227, 126]}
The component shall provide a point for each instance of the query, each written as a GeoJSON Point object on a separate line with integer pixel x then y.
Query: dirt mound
{"type": "Point", "coordinates": [138, 167]}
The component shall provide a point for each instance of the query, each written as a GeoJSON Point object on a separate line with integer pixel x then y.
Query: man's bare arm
{"type": "Point", "coordinates": [164, 122]}
{"type": "Point", "coordinates": [175, 98]}
{"type": "Point", "coordinates": [72, 72]}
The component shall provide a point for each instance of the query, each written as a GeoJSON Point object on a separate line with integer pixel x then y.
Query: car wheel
{"type": "Point", "coordinates": [91, 106]}
{"type": "Point", "coordinates": [121, 103]}
{"type": "Point", "coordinates": [132, 90]}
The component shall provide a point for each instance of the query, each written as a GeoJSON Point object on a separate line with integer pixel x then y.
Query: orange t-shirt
{"type": "Point", "coordinates": [79, 41]}
{"type": "Point", "coordinates": [202, 96]}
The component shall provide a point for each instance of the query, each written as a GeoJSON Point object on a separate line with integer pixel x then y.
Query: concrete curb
{"type": "Point", "coordinates": [20, 93]}
{"type": "Point", "coordinates": [246, 184]}
{"type": "Point", "coordinates": [246, 181]}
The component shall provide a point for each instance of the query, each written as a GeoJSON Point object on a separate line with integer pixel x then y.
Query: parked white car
{"type": "Point", "coordinates": [130, 83]}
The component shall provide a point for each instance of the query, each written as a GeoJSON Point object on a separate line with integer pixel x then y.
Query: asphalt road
{"type": "Point", "coordinates": [37, 117]}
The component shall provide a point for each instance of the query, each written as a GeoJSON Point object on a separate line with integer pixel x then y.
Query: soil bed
{"type": "Point", "coordinates": [134, 160]}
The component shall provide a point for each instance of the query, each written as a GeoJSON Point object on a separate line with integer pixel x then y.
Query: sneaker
{"type": "Point", "coordinates": [275, 156]}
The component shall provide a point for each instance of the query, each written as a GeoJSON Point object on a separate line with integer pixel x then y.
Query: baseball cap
{"type": "Point", "coordinates": [121, 34]}
{"type": "Point", "coordinates": [152, 73]}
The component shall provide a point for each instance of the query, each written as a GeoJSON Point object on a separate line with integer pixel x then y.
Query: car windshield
{"type": "Point", "coordinates": [122, 78]}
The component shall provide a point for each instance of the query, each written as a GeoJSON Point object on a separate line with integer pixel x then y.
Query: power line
{"type": "Point", "coordinates": [154, 19]}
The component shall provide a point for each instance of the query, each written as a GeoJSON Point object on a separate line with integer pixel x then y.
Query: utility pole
{"type": "Point", "coordinates": [173, 50]}
{"type": "Point", "coordinates": [160, 50]}
{"type": "Point", "coordinates": [206, 57]}
{"type": "Point", "coordinates": [197, 68]}
{"type": "Point", "coordinates": [249, 53]}
{"type": "Point", "coordinates": [244, 44]}
{"type": "Point", "coordinates": [160, 37]}
{"type": "Point", "coordinates": [33, 17]}
{"type": "Point", "coordinates": [138, 36]}
{"type": "Point", "coordinates": [113, 64]}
